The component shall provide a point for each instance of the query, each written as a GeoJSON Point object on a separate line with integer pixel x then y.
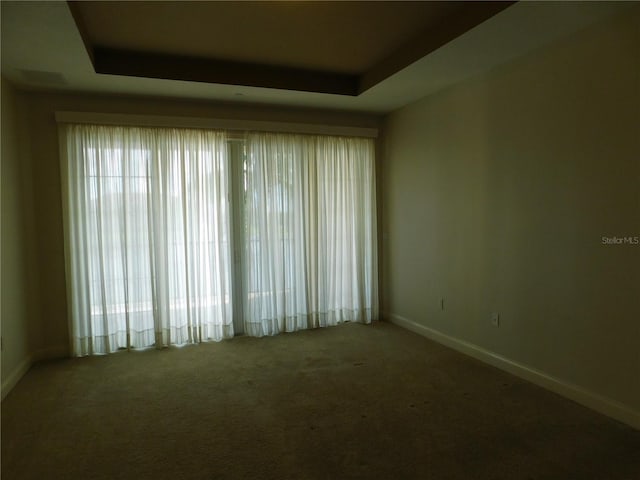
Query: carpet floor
{"type": "Point", "coordinates": [354, 401]}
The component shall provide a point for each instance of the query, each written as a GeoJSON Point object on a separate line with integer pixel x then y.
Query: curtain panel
{"type": "Point", "coordinates": [147, 241]}
{"type": "Point", "coordinates": [310, 251]}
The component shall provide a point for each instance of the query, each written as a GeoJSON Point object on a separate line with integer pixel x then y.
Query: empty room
{"type": "Point", "coordinates": [320, 240]}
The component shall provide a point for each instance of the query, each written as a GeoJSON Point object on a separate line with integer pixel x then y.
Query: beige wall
{"type": "Point", "coordinates": [41, 110]}
{"type": "Point", "coordinates": [496, 194]}
{"type": "Point", "coordinates": [19, 280]}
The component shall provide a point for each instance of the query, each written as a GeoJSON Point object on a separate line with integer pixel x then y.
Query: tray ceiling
{"type": "Point", "coordinates": [329, 47]}
{"type": "Point", "coordinates": [360, 56]}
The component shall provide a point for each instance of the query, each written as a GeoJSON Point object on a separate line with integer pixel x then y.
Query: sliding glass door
{"type": "Point", "coordinates": [179, 236]}
{"type": "Point", "coordinates": [310, 249]}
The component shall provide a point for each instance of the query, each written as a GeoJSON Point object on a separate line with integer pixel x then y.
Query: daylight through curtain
{"type": "Point", "coordinates": [148, 222]}
{"type": "Point", "coordinates": [147, 239]}
{"type": "Point", "coordinates": [310, 227]}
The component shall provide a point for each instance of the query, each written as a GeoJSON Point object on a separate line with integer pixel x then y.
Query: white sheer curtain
{"type": "Point", "coordinates": [147, 237]}
{"type": "Point", "coordinates": [310, 224]}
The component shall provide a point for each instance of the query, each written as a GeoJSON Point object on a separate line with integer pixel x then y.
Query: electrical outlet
{"type": "Point", "coordinates": [495, 319]}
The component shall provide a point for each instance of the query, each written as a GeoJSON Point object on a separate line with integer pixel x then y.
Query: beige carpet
{"type": "Point", "coordinates": [355, 401]}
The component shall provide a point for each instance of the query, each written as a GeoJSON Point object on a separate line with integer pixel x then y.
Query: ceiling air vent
{"type": "Point", "coordinates": [40, 77]}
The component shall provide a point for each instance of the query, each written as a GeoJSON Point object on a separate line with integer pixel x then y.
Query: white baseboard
{"type": "Point", "coordinates": [606, 406]}
{"type": "Point", "coordinates": [14, 377]}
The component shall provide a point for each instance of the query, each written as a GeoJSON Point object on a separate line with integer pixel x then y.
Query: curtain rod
{"type": "Point", "coordinates": [212, 123]}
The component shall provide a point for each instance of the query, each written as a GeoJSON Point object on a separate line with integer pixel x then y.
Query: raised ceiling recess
{"type": "Point", "coordinates": [342, 48]}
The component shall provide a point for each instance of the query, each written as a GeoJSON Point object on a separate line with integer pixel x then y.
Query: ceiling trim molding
{"type": "Point", "coordinates": [212, 123]}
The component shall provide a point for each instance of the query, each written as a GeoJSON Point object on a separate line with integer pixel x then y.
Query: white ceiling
{"type": "Point", "coordinates": [42, 37]}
